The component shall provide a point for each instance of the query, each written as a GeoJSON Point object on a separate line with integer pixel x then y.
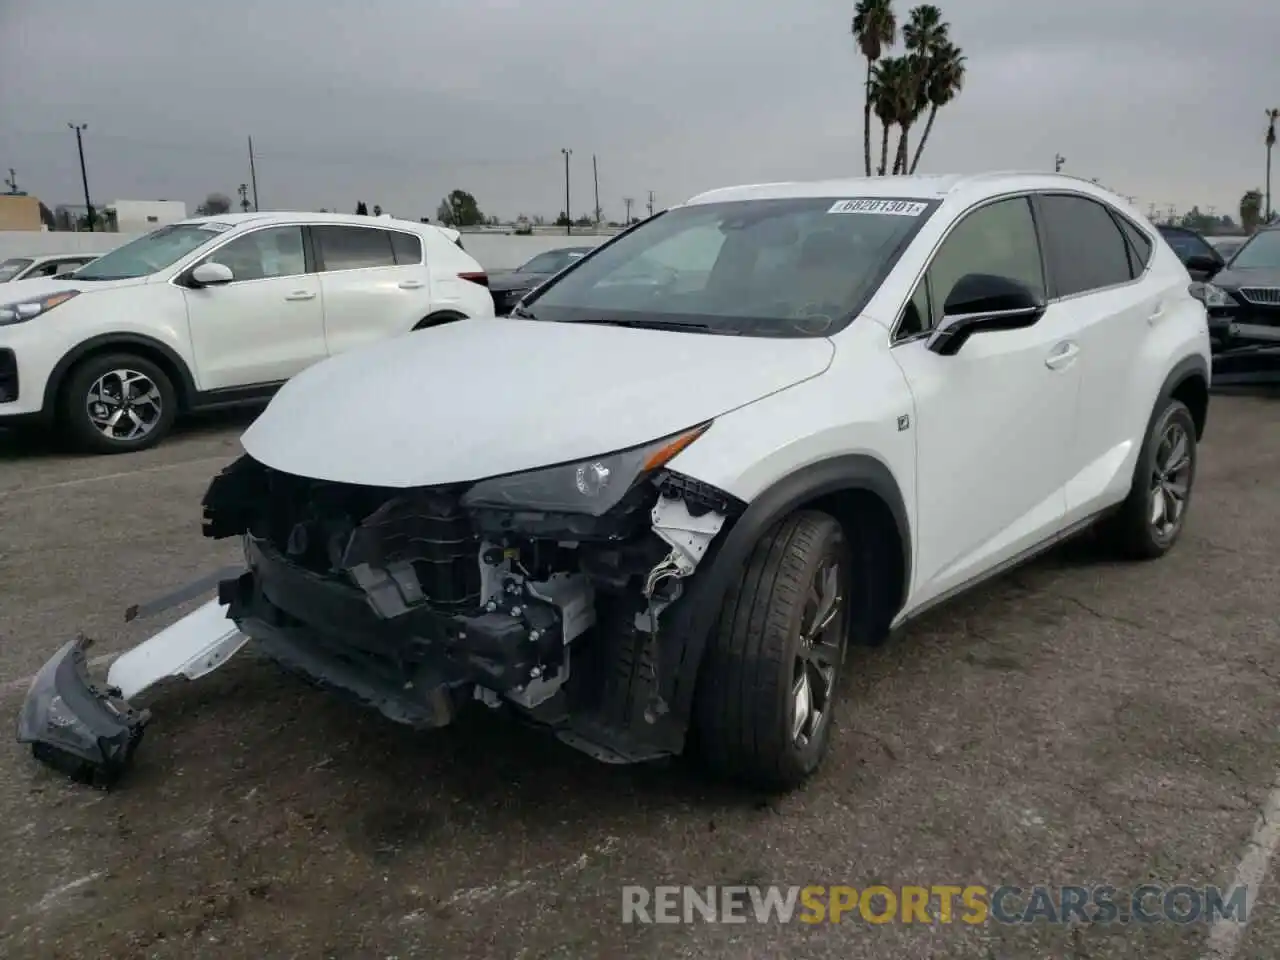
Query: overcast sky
{"type": "Point", "coordinates": [396, 102]}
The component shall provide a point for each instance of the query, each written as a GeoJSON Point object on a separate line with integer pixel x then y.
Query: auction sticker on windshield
{"type": "Point", "coordinates": [214, 227]}
{"type": "Point", "coordinates": [893, 208]}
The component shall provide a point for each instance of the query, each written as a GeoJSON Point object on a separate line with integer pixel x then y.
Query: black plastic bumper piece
{"type": "Point", "coordinates": [76, 727]}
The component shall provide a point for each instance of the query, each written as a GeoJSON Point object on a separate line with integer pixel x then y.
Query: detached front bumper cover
{"type": "Point", "coordinates": [75, 726]}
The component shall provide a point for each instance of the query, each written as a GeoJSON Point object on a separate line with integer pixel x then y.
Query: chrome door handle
{"type": "Point", "coordinates": [1063, 355]}
{"type": "Point", "coordinates": [301, 295]}
{"type": "Point", "coordinates": [410, 284]}
{"type": "Point", "coordinates": [1156, 314]}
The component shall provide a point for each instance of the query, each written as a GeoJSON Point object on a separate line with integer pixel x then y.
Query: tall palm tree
{"type": "Point", "coordinates": [924, 32]}
{"type": "Point", "coordinates": [1272, 116]}
{"type": "Point", "coordinates": [875, 28]}
{"type": "Point", "coordinates": [891, 93]}
{"type": "Point", "coordinates": [943, 84]}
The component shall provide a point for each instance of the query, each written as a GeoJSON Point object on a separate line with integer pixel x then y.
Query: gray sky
{"type": "Point", "coordinates": [398, 101]}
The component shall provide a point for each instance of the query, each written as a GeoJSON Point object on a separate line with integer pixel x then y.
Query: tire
{"type": "Point", "coordinates": [1143, 527]}
{"type": "Point", "coordinates": [747, 713]}
{"type": "Point", "coordinates": [151, 420]}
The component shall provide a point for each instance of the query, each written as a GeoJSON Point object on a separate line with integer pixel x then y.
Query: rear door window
{"type": "Point", "coordinates": [1140, 245]}
{"type": "Point", "coordinates": [1084, 248]}
{"type": "Point", "coordinates": [352, 248]}
{"type": "Point", "coordinates": [406, 247]}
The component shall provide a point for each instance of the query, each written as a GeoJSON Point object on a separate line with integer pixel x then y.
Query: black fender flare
{"type": "Point", "coordinates": [186, 385]}
{"type": "Point", "coordinates": [438, 317]}
{"type": "Point", "coordinates": [1188, 368]}
{"type": "Point", "coordinates": [692, 617]}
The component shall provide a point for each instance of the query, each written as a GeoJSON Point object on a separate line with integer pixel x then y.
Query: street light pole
{"type": "Point", "coordinates": [1058, 161]}
{"type": "Point", "coordinates": [84, 176]}
{"type": "Point", "coordinates": [1272, 115]}
{"type": "Point", "coordinates": [568, 215]}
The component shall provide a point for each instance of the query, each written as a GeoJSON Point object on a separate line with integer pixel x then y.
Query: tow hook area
{"type": "Point", "coordinates": [90, 731]}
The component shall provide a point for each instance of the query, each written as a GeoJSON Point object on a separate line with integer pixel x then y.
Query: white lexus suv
{"type": "Point", "coordinates": [216, 311]}
{"type": "Point", "coordinates": [655, 507]}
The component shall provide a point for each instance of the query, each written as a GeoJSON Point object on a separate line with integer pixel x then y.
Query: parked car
{"type": "Point", "coordinates": [644, 515]}
{"type": "Point", "coordinates": [39, 266]}
{"type": "Point", "coordinates": [508, 288]}
{"type": "Point", "coordinates": [1197, 255]}
{"type": "Point", "coordinates": [217, 311]}
{"type": "Point", "coordinates": [1244, 312]}
{"type": "Point", "coordinates": [1226, 246]}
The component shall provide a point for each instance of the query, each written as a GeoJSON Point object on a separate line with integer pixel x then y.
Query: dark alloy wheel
{"type": "Point", "coordinates": [768, 689]}
{"type": "Point", "coordinates": [117, 403]}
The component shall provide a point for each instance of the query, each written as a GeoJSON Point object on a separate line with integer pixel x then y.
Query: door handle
{"type": "Point", "coordinates": [1157, 313]}
{"type": "Point", "coordinates": [1063, 355]}
{"type": "Point", "coordinates": [410, 284]}
{"type": "Point", "coordinates": [301, 295]}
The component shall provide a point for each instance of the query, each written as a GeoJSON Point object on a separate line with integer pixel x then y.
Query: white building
{"type": "Point", "coordinates": [143, 216]}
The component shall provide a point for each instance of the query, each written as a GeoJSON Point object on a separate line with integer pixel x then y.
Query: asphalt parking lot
{"type": "Point", "coordinates": [1075, 722]}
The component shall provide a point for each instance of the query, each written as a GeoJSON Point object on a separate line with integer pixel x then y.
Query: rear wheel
{"type": "Point", "coordinates": [1150, 520]}
{"type": "Point", "coordinates": [117, 403]}
{"type": "Point", "coordinates": [768, 689]}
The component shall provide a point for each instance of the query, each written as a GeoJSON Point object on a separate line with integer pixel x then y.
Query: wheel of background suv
{"type": "Point", "coordinates": [1151, 518]}
{"type": "Point", "coordinates": [768, 688]}
{"type": "Point", "coordinates": [117, 403]}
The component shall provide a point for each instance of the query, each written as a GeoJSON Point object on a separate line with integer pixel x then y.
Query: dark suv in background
{"type": "Point", "coordinates": [1201, 260]}
{"type": "Point", "coordinates": [1243, 300]}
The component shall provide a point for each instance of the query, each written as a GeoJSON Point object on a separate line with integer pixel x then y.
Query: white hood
{"type": "Point", "coordinates": [17, 290]}
{"type": "Point", "coordinates": [479, 398]}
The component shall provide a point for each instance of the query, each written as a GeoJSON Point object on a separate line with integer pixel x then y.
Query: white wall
{"type": "Point", "coordinates": [494, 251]}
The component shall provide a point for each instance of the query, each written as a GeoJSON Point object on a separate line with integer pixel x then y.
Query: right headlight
{"type": "Point", "coordinates": [23, 310]}
{"type": "Point", "coordinates": [1215, 296]}
{"type": "Point", "coordinates": [592, 487]}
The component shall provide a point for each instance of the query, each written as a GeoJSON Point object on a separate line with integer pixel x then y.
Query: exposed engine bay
{"type": "Point", "coordinates": [417, 601]}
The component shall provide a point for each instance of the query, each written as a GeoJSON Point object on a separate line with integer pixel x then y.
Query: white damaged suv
{"type": "Point", "coordinates": [655, 507]}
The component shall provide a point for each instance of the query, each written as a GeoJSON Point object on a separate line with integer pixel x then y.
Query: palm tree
{"type": "Point", "coordinates": [924, 32]}
{"type": "Point", "coordinates": [1272, 116]}
{"type": "Point", "coordinates": [891, 96]}
{"type": "Point", "coordinates": [943, 84]}
{"type": "Point", "coordinates": [875, 27]}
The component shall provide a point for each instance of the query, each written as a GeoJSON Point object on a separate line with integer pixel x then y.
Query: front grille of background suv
{"type": "Point", "coordinates": [8, 376]}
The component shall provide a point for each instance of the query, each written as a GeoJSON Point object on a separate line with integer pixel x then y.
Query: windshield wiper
{"type": "Point", "coordinates": [524, 313]}
{"type": "Point", "coordinates": [651, 324]}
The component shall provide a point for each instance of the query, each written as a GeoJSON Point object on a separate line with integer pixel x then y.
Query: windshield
{"type": "Point", "coordinates": [784, 267]}
{"type": "Point", "coordinates": [11, 268]}
{"type": "Point", "coordinates": [1262, 250]}
{"type": "Point", "coordinates": [157, 250]}
{"type": "Point", "coordinates": [553, 261]}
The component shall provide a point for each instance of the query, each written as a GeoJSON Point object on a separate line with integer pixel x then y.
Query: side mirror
{"type": "Point", "coordinates": [982, 302]}
{"type": "Point", "coordinates": [1203, 263]}
{"type": "Point", "coordinates": [210, 274]}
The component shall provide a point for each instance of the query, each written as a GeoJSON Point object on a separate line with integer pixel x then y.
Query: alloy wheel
{"type": "Point", "coordinates": [124, 405]}
{"type": "Point", "coordinates": [1170, 481]}
{"type": "Point", "coordinates": [818, 656]}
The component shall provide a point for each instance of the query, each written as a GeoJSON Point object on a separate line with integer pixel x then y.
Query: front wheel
{"type": "Point", "coordinates": [767, 690]}
{"type": "Point", "coordinates": [1151, 518]}
{"type": "Point", "coordinates": [117, 403]}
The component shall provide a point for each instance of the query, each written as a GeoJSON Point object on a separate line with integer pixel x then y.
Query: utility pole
{"type": "Point", "coordinates": [1151, 212]}
{"type": "Point", "coordinates": [595, 172]}
{"type": "Point", "coordinates": [243, 190]}
{"type": "Point", "coordinates": [253, 176]}
{"type": "Point", "coordinates": [651, 203]}
{"type": "Point", "coordinates": [1270, 140]}
{"type": "Point", "coordinates": [568, 215]}
{"type": "Point", "coordinates": [84, 176]}
{"type": "Point", "coordinates": [12, 182]}
{"type": "Point", "coordinates": [1058, 161]}
{"type": "Point", "coordinates": [627, 202]}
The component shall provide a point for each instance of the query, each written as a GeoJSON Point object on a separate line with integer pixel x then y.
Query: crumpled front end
{"type": "Point", "coordinates": [419, 601]}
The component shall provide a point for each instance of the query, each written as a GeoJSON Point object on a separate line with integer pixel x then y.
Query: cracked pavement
{"type": "Point", "coordinates": [1074, 722]}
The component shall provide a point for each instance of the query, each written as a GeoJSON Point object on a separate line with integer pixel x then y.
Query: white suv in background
{"type": "Point", "coordinates": [216, 311]}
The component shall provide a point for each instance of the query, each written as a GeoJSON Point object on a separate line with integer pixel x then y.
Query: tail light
{"type": "Point", "coordinates": [481, 278]}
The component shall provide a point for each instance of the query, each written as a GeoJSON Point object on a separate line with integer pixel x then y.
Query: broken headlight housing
{"type": "Point", "coordinates": [24, 310]}
{"type": "Point", "coordinates": [592, 487]}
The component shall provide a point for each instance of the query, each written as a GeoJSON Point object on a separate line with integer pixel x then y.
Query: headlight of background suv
{"type": "Point", "coordinates": [593, 487]}
{"type": "Point", "coordinates": [23, 310]}
{"type": "Point", "coordinates": [1216, 296]}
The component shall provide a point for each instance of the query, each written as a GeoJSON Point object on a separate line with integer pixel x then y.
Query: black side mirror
{"type": "Point", "coordinates": [982, 302]}
{"type": "Point", "coordinates": [1203, 263]}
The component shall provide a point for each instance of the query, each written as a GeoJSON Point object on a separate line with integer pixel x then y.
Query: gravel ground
{"type": "Point", "coordinates": [1073, 722]}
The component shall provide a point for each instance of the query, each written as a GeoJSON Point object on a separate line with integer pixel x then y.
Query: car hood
{"type": "Point", "coordinates": [30, 289]}
{"type": "Point", "coordinates": [514, 280]}
{"type": "Point", "coordinates": [1251, 277]}
{"type": "Point", "coordinates": [484, 397]}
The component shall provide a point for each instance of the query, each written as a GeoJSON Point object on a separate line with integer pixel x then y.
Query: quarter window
{"type": "Point", "coordinates": [406, 247]}
{"type": "Point", "coordinates": [1084, 248]}
{"type": "Point", "coordinates": [263, 254]}
{"type": "Point", "coordinates": [1140, 246]}
{"type": "Point", "coordinates": [353, 248]}
{"type": "Point", "coordinates": [998, 239]}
